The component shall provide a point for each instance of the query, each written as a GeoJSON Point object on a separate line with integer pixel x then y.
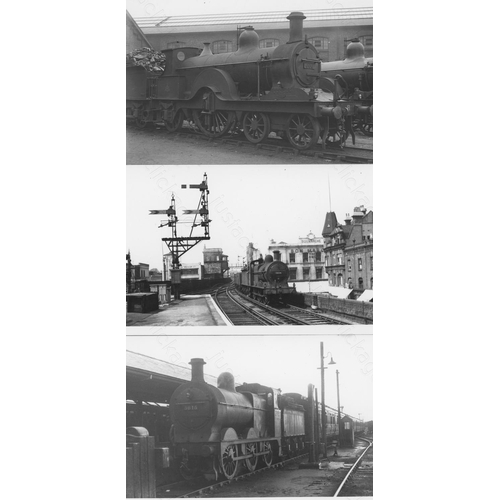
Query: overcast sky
{"type": "Point", "coordinates": [156, 8]}
{"type": "Point", "coordinates": [288, 362]}
{"type": "Point", "coordinates": [247, 204]}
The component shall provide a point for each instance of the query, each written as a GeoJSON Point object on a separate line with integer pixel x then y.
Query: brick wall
{"type": "Point", "coordinates": [345, 307]}
{"type": "Point", "coordinates": [336, 37]}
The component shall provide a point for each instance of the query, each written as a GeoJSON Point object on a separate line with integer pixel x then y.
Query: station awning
{"type": "Point", "coordinates": [339, 291]}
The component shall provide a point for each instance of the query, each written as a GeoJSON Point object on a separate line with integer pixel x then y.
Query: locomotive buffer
{"type": "Point", "coordinates": [179, 245]}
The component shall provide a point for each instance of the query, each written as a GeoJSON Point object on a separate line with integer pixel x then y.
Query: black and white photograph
{"type": "Point", "coordinates": [219, 246]}
{"type": "Point", "coordinates": [250, 416]}
{"type": "Point", "coordinates": [262, 83]}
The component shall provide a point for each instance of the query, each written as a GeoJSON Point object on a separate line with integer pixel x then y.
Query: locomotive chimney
{"type": "Point", "coordinates": [296, 26]}
{"type": "Point", "coordinates": [226, 381]}
{"type": "Point", "coordinates": [207, 51]}
{"type": "Point", "coordinates": [277, 254]}
{"type": "Point", "coordinates": [197, 369]}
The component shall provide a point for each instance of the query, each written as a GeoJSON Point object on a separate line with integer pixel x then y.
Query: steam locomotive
{"type": "Point", "coordinates": [355, 76]}
{"type": "Point", "coordinates": [254, 90]}
{"type": "Point", "coordinates": [267, 281]}
{"type": "Point", "coordinates": [220, 430]}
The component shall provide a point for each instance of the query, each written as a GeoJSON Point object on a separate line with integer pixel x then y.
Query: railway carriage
{"type": "Point", "coordinates": [257, 91]}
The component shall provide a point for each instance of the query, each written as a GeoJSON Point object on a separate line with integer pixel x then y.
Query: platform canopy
{"type": "Point", "coordinates": [154, 380]}
{"type": "Point", "coordinates": [366, 296]}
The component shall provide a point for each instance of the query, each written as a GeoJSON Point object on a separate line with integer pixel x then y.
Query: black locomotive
{"type": "Point", "coordinates": [267, 281]}
{"type": "Point", "coordinates": [254, 90]}
{"type": "Point", "coordinates": [355, 76]}
{"type": "Point", "coordinates": [220, 430]}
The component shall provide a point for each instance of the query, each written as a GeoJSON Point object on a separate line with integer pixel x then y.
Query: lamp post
{"type": "Point", "coordinates": [323, 410]}
{"type": "Point", "coordinates": [338, 404]}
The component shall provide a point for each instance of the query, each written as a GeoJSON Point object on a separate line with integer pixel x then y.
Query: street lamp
{"type": "Point", "coordinates": [323, 410]}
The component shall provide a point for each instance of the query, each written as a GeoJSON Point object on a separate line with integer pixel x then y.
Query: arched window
{"type": "Point", "coordinates": [222, 46]}
{"type": "Point", "coordinates": [360, 282]}
{"type": "Point", "coordinates": [267, 43]}
{"type": "Point", "coordinates": [319, 42]}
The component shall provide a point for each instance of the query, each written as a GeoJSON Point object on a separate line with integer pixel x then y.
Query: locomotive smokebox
{"type": "Point", "coordinates": [296, 26]}
{"type": "Point", "coordinates": [197, 369]}
{"type": "Point", "coordinates": [226, 381]}
{"type": "Point", "coordinates": [277, 254]}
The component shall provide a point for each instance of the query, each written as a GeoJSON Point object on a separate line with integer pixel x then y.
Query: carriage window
{"type": "Point", "coordinates": [267, 43]}
{"type": "Point", "coordinates": [347, 425]}
{"type": "Point", "coordinates": [221, 46]}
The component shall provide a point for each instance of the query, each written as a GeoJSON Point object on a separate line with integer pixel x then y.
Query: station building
{"type": "Point", "coordinates": [329, 30]}
{"type": "Point", "coordinates": [305, 259]}
{"type": "Point", "coordinates": [349, 249]}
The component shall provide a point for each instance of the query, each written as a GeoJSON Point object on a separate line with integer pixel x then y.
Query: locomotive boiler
{"type": "Point", "coordinates": [257, 91]}
{"type": "Point", "coordinates": [266, 280]}
{"type": "Point", "coordinates": [355, 76]}
{"type": "Point", "coordinates": [219, 430]}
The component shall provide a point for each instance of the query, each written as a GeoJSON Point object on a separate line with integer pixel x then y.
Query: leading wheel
{"type": "Point", "coordinates": [268, 456]}
{"type": "Point", "coordinates": [214, 123]}
{"type": "Point", "coordinates": [256, 126]}
{"type": "Point", "coordinates": [177, 122]}
{"type": "Point", "coordinates": [302, 131]}
{"type": "Point", "coordinates": [140, 122]}
{"type": "Point", "coordinates": [228, 462]}
{"type": "Point", "coordinates": [367, 129]}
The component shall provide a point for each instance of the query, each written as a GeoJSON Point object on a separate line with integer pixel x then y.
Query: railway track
{"type": "Point", "coordinates": [348, 154]}
{"type": "Point", "coordinates": [237, 313]}
{"type": "Point", "coordinates": [242, 310]}
{"type": "Point", "coordinates": [354, 468]}
{"type": "Point", "coordinates": [183, 490]}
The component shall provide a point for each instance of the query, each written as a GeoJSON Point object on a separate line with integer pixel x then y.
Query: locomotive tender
{"type": "Point", "coordinates": [218, 430]}
{"type": "Point", "coordinates": [257, 90]}
{"type": "Point", "coordinates": [267, 281]}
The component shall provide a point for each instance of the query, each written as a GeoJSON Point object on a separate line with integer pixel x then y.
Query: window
{"type": "Point", "coordinates": [371, 263]}
{"type": "Point", "coordinates": [222, 46]}
{"type": "Point", "coordinates": [175, 45]}
{"type": "Point", "coordinates": [349, 265]}
{"type": "Point", "coordinates": [292, 257]}
{"type": "Point", "coordinates": [347, 425]}
{"type": "Point", "coordinates": [293, 274]}
{"type": "Point", "coordinates": [318, 256]}
{"type": "Point", "coordinates": [319, 42]}
{"type": "Point", "coordinates": [306, 273]}
{"type": "Point", "coordinates": [267, 43]}
{"type": "Point", "coordinates": [304, 256]}
{"type": "Point", "coordinates": [360, 282]}
{"type": "Point", "coordinates": [319, 273]}
{"type": "Point", "coordinates": [339, 256]}
{"type": "Point", "coordinates": [360, 264]}
{"type": "Point", "coordinates": [311, 256]}
{"type": "Point", "coordinates": [367, 41]}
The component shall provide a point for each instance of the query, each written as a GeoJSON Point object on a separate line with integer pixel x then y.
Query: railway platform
{"type": "Point", "coordinates": [190, 310]}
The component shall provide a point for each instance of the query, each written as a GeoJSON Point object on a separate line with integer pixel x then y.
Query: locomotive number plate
{"type": "Point", "coordinates": [190, 407]}
{"type": "Point", "coordinates": [309, 65]}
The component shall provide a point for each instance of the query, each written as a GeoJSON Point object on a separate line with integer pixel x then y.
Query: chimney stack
{"type": "Point", "coordinates": [197, 370]}
{"type": "Point", "coordinates": [296, 26]}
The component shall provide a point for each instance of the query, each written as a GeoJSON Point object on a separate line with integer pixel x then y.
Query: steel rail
{"type": "Point", "coordinates": [353, 468]}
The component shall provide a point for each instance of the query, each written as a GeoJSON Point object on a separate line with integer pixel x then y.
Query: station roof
{"type": "Point", "coordinates": [151, 379]}
{"type": "Point", "coordinates": [262, 20]}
